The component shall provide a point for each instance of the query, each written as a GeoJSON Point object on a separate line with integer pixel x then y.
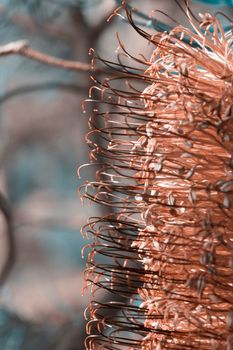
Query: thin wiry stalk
{"type": "Point", "coordinates": [166, 174]}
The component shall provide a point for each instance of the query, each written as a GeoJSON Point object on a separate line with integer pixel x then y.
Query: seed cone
{"type": "Point", "coordinates": [166, 173]}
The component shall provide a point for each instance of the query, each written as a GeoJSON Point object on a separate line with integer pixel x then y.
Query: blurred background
{"type": "Point", "coordinates": [42, 144]}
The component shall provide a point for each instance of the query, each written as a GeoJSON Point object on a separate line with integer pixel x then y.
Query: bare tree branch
{"type": "Point", "coordinates": [22, 48]}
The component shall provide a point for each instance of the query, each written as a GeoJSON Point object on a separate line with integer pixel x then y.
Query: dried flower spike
{"type": "Point", "coordinates": [166, 174]}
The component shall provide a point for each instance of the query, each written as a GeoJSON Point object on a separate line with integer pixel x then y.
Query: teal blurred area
{"type": "Point", "coordinates": [42, 144]}
{"type": "Point", "coordinates": [215, 2]}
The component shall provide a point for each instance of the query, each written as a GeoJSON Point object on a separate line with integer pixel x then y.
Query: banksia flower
{"type": "Point", "coordinates": [165, 171]}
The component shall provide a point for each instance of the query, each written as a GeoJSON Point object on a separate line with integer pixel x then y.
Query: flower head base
{"type": "Point", "coordinates": [167, 174]}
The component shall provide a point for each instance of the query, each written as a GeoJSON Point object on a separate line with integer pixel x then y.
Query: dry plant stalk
{"type": "Point", "coordinates": [166, 173]}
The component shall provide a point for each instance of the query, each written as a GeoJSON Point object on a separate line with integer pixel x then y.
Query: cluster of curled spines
{"type": "Point", "coordinates": [162, 139]}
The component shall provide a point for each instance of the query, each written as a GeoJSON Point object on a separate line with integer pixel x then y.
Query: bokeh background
{"type": "Point", "coordinates": [42, 144]}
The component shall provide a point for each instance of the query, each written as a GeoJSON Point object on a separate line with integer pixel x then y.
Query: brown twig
{"type": "Point", "coordinates": [22, 48]}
